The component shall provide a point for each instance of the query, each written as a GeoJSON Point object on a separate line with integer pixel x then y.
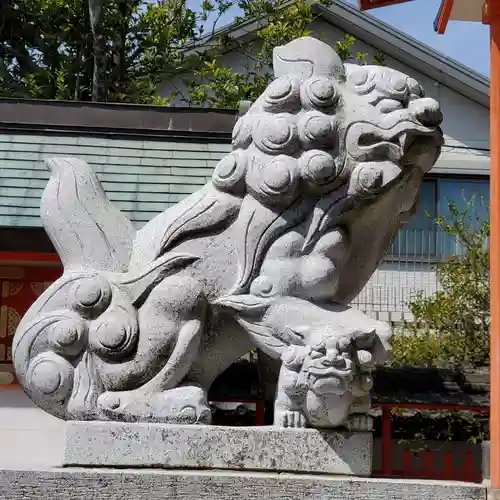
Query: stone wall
{"type": "Point", "coordinates": [101, 484]}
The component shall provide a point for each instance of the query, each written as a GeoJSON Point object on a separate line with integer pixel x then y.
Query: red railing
{"type": "Point", "coordinates": [424, 464]}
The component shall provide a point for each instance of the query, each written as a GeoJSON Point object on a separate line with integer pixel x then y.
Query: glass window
{"type": "Point", "coordinates": [417, 238]}
{"type": "Point", "coordinates": [420, 238]}
{"type": "Point", "coordinates": [461, 192]}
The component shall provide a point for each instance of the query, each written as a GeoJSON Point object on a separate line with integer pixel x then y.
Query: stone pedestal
{"type": "Point", "coordinates": [119, 444]}
{"type": "Point", "coordinates": [103, 484]}
{"type": "Point", "coordinates": [116, 461]}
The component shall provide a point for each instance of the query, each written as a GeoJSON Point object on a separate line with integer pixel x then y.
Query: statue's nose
{"type": "Point", "coordinates": [332, 358]}
{"type": "Point", "coordinates": [427, 111]}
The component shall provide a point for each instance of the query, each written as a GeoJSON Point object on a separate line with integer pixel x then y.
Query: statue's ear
{"type": "Point", "coordinates": [244, 304]}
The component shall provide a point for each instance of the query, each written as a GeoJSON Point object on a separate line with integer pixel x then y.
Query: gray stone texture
{"type": "Point", "coordinates": [325, 167]}
{"type": "Point", "coordinates": [118, 444]}
{"type": "Point", "coordinates": [493, 493]}
{"type": "Point", "coordinates": [485, 445]}
{"type": "Point", "coordinates": [102, 484]}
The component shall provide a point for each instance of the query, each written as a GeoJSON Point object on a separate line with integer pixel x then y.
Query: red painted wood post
{"type": "Point", "coordinates": [468, 472]}
{"type": "Point", "coordinates": [386, 442]}
{"type": "Point", "coordinates": [448, 465]}
{"type": "Point", "coordinates": [494, 19]}
{"type": "Point", "coordinates": [6, 257]}
{"type": "Point", "coordinates": [408, 464]}
{"type": "Point", "coordinates": [429, 471]}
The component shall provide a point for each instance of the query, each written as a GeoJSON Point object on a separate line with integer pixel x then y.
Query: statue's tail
{"type": "Point", "coordinates": [86, 229]}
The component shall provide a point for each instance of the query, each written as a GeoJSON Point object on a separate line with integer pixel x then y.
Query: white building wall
{"type": "Point", "coordinates": [466, 123]}
{"type": "Point", "coordinates": [386, 294]}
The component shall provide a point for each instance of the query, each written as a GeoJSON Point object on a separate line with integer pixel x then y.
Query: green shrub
{"type": "Point", "coordinates": [451, 327]}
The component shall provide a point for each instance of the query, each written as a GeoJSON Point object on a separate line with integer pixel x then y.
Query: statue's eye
{"type": "Point", "coordinates": [343, 344]}
{"type": "Point", "coordinates": [91, 296]}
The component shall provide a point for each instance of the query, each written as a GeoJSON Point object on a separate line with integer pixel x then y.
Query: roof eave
{"type": "Point", "coordinates": [390, 41]}
{"type": "Point", "coordinates": [409, 51]}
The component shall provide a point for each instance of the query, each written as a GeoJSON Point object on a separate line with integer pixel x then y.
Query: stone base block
{"type": "Point", "coordinates": [103, 484]}
{"type": "Point", "coordinates": [119, 444]}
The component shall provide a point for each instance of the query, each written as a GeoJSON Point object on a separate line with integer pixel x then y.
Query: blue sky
{"type": "Point", "coordinates": [466, 42]}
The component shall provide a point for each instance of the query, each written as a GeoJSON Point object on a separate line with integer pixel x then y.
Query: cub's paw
{"type": "Point", "coordinates": [360, 423]}
{"type": "Point", "coordinates": [286, 418]}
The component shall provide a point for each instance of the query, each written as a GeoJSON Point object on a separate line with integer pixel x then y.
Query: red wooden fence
{"type": "Point", "coordinates": [423, 464]}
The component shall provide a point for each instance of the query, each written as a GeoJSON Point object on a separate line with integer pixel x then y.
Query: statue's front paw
{"type": "Point", "coordinates": [287, 418]}
{"type": "Point", "coordinates": [182, 405]}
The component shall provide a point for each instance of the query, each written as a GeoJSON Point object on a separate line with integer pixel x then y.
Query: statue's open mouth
{"type": "Point", "coordinates": [402, 140]}
{"type": "Point", "coordinates": [369, 142]}
{"type": "Point", "coordinates": [328, 371]}
{"type": "Point", "coordinates": [334, 383]}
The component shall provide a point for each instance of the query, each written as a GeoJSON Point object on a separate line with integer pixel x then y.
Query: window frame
{"type": "Point", "coordinates": [438, 255]}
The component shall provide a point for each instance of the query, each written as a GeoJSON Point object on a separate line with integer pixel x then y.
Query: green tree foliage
{"type": "Point", "coordinates": [217, 85]}
{"type": "Point", "coordinates": [451, 327]}
{"type": "Point", "coordinates": [119, 50]}
{"type": "Point", "coordinates": [101, 50]}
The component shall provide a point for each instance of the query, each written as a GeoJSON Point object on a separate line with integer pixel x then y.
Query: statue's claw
{"type": "Point", "coordinates": [360, 423]}
{"type": "Point", "coordinates": [289, 418]}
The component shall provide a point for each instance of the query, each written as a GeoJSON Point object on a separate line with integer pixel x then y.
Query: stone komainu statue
{"type": "Point", "coordinates": [326, 166]}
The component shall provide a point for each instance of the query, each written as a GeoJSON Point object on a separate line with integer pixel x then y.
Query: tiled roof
{"type": "Point", "coordinates": [143, 177]}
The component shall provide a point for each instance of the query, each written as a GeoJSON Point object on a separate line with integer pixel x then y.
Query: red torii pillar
{"type": "Point", "coordinates": [488, 12]}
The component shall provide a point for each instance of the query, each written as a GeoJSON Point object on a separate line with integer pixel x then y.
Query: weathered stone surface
{"type": "Point", "coordinates": [326, 166]}
{"type": "Point", "coordinates": [102, 484]}
{"type": "Point", "coordinates": [118, 444]}
{"type": "Point", "coordinates": [485, 445]}
{"type": "Point", "coordinates": [493, 493]}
